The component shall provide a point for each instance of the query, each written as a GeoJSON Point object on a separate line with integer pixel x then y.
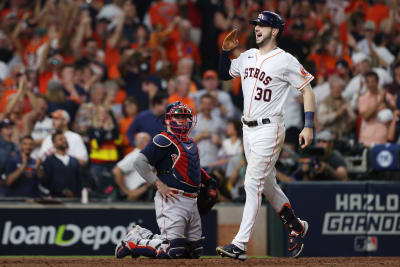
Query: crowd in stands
{"type": "Point", "coordinates": [86, 83]}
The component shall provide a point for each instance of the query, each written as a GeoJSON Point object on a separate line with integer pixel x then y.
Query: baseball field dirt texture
{"type": "Point", "coordinates": [281, 262]}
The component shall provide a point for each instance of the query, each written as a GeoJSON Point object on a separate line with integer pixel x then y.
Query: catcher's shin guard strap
{"type": "Point", "coordinates": [288, 218]}
{"type": "Point", "coordinates": [195, 249]}
{"type": "Point", "coordinates": [177, 248]}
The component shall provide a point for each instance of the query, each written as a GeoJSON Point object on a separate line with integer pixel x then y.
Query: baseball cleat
{"type": "Point", "coordinates": [232, 251]}
{"type": "Point", "coordinates": [296, 241]}
{"type": "Point", "coordinates": [122, 250]}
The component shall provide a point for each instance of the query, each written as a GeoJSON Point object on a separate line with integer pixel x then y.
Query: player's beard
{"type": "Point", "coordinates": [265, 40]}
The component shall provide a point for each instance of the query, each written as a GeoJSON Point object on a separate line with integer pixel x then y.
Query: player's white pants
{"type": "Point", "coordinates": [180, 219]}
{"type": "Point", "coordinates": [262, 145]}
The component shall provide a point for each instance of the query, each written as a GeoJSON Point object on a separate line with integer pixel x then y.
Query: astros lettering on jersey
{"type": "Point", "coordinates": [269, 76]}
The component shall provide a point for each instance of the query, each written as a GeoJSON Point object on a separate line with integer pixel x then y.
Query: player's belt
{"type": "Point", "coordinates": [183, 193]}
{"type": "Point", "coordinates": [255, 123]}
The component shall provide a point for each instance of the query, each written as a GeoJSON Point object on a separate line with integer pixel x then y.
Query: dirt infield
{"type": "Point", "coordinates": [99, 261]}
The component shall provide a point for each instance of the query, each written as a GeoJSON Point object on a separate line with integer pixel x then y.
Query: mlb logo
{"type": "Point", "coordinates": [366, 243]}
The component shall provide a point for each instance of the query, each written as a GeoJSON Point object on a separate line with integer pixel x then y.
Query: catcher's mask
{"type": "Point", "coordinates": [180, 119]}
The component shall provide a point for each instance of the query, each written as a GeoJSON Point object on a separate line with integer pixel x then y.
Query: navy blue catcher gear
{"type": "Point", "coordinates": [180, 119]}
{"type": "Point", "coordinates": [270, 19]}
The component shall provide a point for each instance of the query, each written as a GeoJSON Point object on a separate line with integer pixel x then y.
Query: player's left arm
{"type": "Point", "coordinates": [307, 134]}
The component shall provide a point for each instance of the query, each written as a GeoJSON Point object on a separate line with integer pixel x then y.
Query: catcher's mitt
{"type": "Point", "coordinates": [207, 196]}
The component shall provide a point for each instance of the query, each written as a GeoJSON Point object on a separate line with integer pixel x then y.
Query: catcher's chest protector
{"type": "Point", "coordinates": [186, 160]}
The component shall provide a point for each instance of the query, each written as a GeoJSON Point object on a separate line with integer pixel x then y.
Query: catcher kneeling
{"type": "Point", "coordinates": [179, 181]}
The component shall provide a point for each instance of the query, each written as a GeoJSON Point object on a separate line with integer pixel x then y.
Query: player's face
{"type": "Point", "coordinates": [181, 119]}
{"type": "Point", "coordinates": [263, 34]}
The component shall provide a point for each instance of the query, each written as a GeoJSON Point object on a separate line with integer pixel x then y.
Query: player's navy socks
{"type": "Point", "coordinates": [288, 217]}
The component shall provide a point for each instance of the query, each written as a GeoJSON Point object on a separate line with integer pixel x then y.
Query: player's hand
{"type": "Point", "coordinates": [230, 41]}
{"type": "Point", "coordinates": [307, 136]}
{"type": "Point", "coordinates": [165, 191]}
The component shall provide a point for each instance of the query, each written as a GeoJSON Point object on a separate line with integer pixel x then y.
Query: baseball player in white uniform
{"type": "Point", "coordinates": [267, 74]}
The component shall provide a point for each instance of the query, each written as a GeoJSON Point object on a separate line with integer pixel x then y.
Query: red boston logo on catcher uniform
{"type": "Point", "coordinates": [304, 72]}
{"type": "Point", "coordinates": [174, 157]}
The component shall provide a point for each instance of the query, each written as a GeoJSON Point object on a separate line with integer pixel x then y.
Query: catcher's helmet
{"type": "Point", "coordinates": [270, 19]}
{"type": "Point", "coordinates": [180, 119]}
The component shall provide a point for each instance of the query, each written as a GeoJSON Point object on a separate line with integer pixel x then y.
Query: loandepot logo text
{"type": "Point", "coordinates": [64, 235]}
{"type": "Point", "coordinates": [371, 214]}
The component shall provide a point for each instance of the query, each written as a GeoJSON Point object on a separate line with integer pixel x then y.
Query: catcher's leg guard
{"type": "Point", "coordinates": [149, 247]}
{"type": "Point", "coordinates": [122, 250]}
{"type": "Point", "coordinates": [175, 250]}
{"type": "Point", "coordinates": [195, 249]}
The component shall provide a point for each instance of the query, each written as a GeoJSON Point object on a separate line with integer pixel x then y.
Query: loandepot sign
{"type": "Point", "coordinates": [64, 235]}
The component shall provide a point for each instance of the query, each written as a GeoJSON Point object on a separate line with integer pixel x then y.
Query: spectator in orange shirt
{"type": "Point", "coordinates": [130, 109]}
{"type": "Point", "coordinates": [181, 46]}
{"type": "Point", "coordinates": [161, 13]}
{"type": "Point", "coordinates": [182, 92]}
{"type": "Point", "coordinates": [377, 12]}
{"type": "Point", "coordinates": [325, 60]}
{"type": "Point", "coordinates": [186, 67]}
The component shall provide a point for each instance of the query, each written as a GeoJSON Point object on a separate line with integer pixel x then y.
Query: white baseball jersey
{"type": "Point", "coordinates": [266, 80]}
{"type": "Point", "coordinates": [132, 178]}
{"type": "Point", "coordinates": [76, 147]}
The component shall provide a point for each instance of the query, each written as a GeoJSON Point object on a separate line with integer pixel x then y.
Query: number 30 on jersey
{"type": "Point", "coordinates": [263, 94]}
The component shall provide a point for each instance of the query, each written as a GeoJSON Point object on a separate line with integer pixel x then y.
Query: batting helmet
{"type": "Point", "coordinates": [270, 19]}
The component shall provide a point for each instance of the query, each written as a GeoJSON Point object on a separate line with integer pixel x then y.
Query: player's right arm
{"type": "Point", "coordinates": [149, 156]}
{"type": "Point", "coordinates": [224, 68]}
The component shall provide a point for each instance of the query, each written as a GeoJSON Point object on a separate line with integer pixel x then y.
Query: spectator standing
{"type": "Point", "coordinates": [180, 45]}
{"type": "Point", "coordinates": [151, 120]}
{"type": "Point", "coordinates": [131, 21]}
{"type": "Point", "coordinates": [232, 144]}
{"type": "Point", "coordinates": [364, 45]}
{"type": "Point", "coordinates": [86, 111]}
{"type": "Point", "coordinates": [224, 106]}
{"type": "Point", "coordinates": [294, 43]}
{"type": "Point", "coordinates": [334, 112]}
{"type": "Point", "coordinates": [182, 92]}
{"type": "Point", "coordinates": [21, 171]}
{"type": "Point", "coordinates": [134, 67]}
{"type": "Point", "coordinates": [61, 174]}
{"type": "Point", "coordinates": [394, 87]}
{"type": "Point", "coordinates": [76, 147]}
{"type": "Point", "coordinates": [356, 86]}
{"type": "Point", "coordinates": [38, 124]}
{"type": "Point", "coordinates": [58, 99]}
{"type": "Point", "coordinates": [103, 137]}
{"type": "Point", "coordinates": [130, 109]}
{"type": "Point", "coordinates": [374, 128]}
{"type": "Point", "coordinates": [131, 185]}
{"type": "Point", "coordinates": [208, 131]}
{"type": "Point", "coordinates": [7, 147]}
{"type": "Point", "coordinates": [232, 147]}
